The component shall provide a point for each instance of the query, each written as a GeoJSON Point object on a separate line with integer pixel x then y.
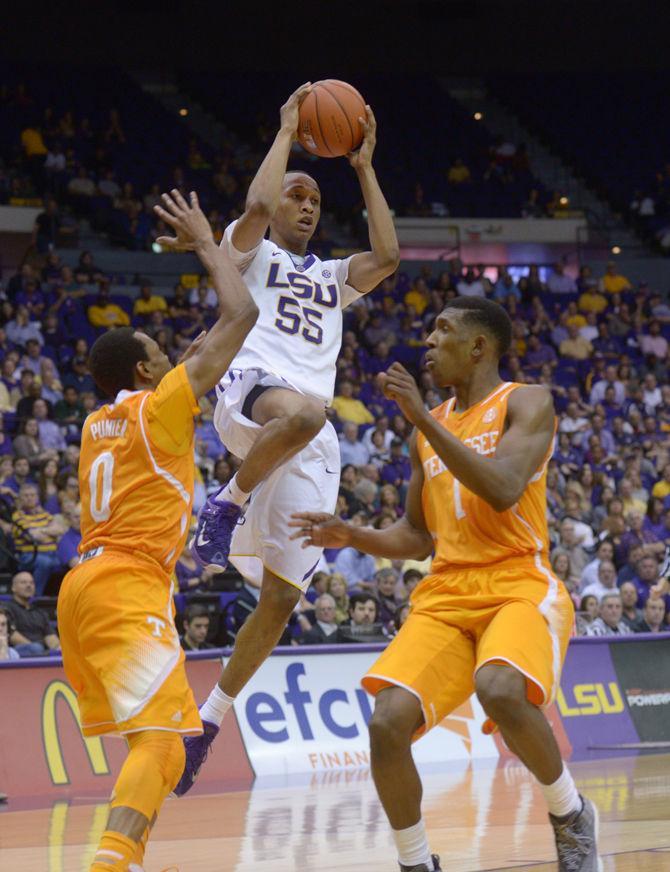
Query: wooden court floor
{"type": "Point", "coordinates": [486, 816]}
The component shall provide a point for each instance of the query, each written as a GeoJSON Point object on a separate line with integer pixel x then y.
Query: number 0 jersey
{"type": "Point", "coordinates": [136, 471]}
{"type": "Point", "coordinates": [467, 530]}
{"type": "Point", "coordinates": [300, 300]}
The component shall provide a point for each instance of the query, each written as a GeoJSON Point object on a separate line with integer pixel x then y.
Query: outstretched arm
{"type": "Point", "coordinates": [265, 190]}
{"type": "Point", "coordinates": [213, 353]}
{"type": "Point", "coordinates": [406, 539]}
{"type": "Point", "coordinates": [499, 479]}
{"type": "Point", "coordinates": [368, 269]}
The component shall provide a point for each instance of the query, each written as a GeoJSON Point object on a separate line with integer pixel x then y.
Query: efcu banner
{"type": "Point", "coordinates": [304, 711]}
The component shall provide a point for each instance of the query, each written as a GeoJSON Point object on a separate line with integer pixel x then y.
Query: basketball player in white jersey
{"type": "Point", "coordinates": [271, 405]}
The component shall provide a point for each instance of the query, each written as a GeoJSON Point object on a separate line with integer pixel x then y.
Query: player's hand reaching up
{"type": "Point", "coordinates": [289, 112]}
{"type": "Point", "coordinates": [398, 385]}
{"type": "Point", "coordinates": [362, 158]}
{"type": "Point", "coordinates": [187, 220]}
{"type": "Point", "coordinates": [320, 529]}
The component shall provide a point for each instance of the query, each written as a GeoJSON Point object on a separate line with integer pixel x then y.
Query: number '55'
{"type": "Point", "coordinates": [292, 317]}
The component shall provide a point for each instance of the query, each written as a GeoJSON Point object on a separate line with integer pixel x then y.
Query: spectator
{"type": "Point", "coordinates": [611, 380]}
{"type": "Point", "coordinates": [349, 408]}
{"type": "Point", "coordinates": [47, 227]}
{"type": "Point", "coordinates": [397, 470]}
{"type": "Point", "coordinates": [337, 588]}
{"type": "Point", "coordinates": [67, 550]}
{"type": "Point", "coordinates": [357, 568]}
{"type": "Point", "coordinates": [654, 342]}
{"type": "Point", "coordinates": [386, 582]}
{"type": "Point", "coordinates": [80, 378]}
{"type": "Point", "coordinates": [7, 652]}
{"type": "Point", "coordinates": [587, 613]}
{"type": "Point", "coordinates": [653, 617]}
{"type": "Point", "coordinates": [613, 282]}
{"type": "Point", "coordinates": [21, 328]}
{"type": "Point", "coordinates": [458, 173]}
{"type": "Point", "coordinates": [604, 551]}
{"type": "Point", "coordinates": [630, 613]}
{"type": "Point", "coordinates": [609, 621]}
{"type": "Point", "coordinates": [196, 627]}
{"type": "Point", "coordinates": [32, 634]}
{"type": "Point", "coordinates": [325, 626]}
{"type": "Point", "coordinates": [68, 412]}
{"type": "Point", "coordinates": [105, 313]}
{"type": "Point", "coordinates": [363, 622]}
{"type": "Point", "coordinates": [575, 346]}
{"type": "Point", "coordinates": [36, 534]}
{"type": "Point", "coordinates": [189, 574]}
{"type": "Point", "coordinates": [352, 450]}
{"type": "Point", "coordinates": [647, 577]}
{"type": "Point", "coordinates": [559, 283]}
{"type": "Point", "coordinates": [471, 285]}
{"type": "Point", "coordinates": [410, 579]}
{"type": "Point", "coordinates": [592, 301]}
{"type": "Point", "coordinates": [661, 490]}
{"type": "Point", "coordinates": [49, 433]}
{"type": "Point", "coordinates": [606, 582]}
{"type": "Point", "coordinates": [651, 394]}
{"type": "Point", "coordinates": [29, 445]}
{"type": "Point", "coordinates": [571, 543]}
{"type": "Point", "coordinates": [147, 302]}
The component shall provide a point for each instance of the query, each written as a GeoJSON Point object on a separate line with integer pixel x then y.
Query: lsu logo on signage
{"type": "Point", "coordinates": [53, 750]}
{"type": "Point", "coordinates": [591, 699]}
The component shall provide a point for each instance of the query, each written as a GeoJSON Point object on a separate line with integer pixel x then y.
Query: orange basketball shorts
{"type": "Point", "coordinates": [121, 651]}
{"type": "Point", "coordinates": [516, 612]}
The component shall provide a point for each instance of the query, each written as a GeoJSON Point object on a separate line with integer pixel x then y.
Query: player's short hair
{"type": "Point", "coordinates": [195, 610]}
{"type": "Point", "coordinates": [488, 316]}
{"type": "Point", "coordinates": [304, 175]}
{"type": "Point", "coordinates": [113, 358]}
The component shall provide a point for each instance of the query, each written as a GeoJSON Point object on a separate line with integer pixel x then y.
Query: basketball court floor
{"type": "Point", "coordinates": [482, 816]}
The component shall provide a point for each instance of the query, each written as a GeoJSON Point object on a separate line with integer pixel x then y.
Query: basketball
{"type": "Point", "coordinates": [329, 125]}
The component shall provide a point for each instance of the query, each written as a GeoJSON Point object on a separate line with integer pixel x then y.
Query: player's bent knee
{"type": "Point", "coordinates": [500, 690]}
{"type": "Point", "coordinates": [308, 420]}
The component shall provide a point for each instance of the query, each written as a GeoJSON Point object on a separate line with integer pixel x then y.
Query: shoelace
{"type": "Point", "coordinates": [572, 845]}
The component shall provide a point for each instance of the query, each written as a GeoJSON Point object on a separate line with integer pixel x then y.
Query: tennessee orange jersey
{"type": "Point", "coordinates": [136, 471]}
{"type": "Point", "coordinates": [466, 529]}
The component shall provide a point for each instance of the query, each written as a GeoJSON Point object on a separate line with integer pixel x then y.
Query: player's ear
{"type": "Point", "coordinates": [479, 346]}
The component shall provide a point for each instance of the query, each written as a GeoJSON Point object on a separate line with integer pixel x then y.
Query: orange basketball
{"type": "Point", "coordinates": [329, 124]}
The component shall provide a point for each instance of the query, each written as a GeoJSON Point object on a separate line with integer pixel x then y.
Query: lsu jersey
{"type": "Point", "coordinates": [136, 471]}
{"type": "Point", "coordinates": [298, 333]}
{"type": "Point", "coordinates": [467, 531]}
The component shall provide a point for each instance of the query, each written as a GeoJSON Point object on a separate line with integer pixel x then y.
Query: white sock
{"type": "Point", "coordinates": [412, 846]}
{"type": "Point", "coordinates": [233, 493]}
{"type": "Point", "coordinates": [562, 796]}
{"type": "Point", "coordinates": [215, 707]}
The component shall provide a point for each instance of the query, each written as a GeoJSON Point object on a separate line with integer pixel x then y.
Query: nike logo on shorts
{"type": "Point", "coordinates": [201, 539]}
{"type": "Point", "coordinates": [332, 471]}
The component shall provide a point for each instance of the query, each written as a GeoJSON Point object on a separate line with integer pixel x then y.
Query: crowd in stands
{"type": "Point", "coordinates": [599, 343]}
{"type": "Point", "coordinates": [84, 162]}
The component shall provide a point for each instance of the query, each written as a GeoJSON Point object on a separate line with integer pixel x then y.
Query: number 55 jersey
{"type": "Point", "coordinates": [299, 329]}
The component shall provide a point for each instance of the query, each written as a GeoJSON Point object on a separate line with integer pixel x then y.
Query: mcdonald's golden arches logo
{"type": "Point", "coordinates": [53, 750]}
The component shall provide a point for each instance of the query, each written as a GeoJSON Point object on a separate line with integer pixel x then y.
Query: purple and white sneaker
{"type": "Point", "coordinates": [197, 749]}
{"type": "Point", "coordinates": [210, 546]}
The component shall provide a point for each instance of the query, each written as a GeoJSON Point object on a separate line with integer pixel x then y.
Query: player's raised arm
{"type": "Point", "coordinates": [502, 478]}
{"type": "Point", "coordinates": [237, 311]}
{"type": "Point", "coordinates": [368, 269]}
{"type": "Point", "coordinates": [265, 190]}
{"type": "Point", "coordinates": [407, 539]}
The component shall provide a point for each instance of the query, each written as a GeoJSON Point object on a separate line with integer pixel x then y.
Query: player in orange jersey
{"type": "Point", "coordinates": [121, 650]}
{"type": "Point", "coordinates": [491, 618]}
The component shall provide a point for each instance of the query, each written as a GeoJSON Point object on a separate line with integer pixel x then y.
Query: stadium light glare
{"type": "Point", "coordinates": [616, 249]}
{"type": "Point", "coordinates": [478, 116]}
{"type": "Point", "coordinates": [183, 112]}
{"type": "Point", "coordinates": [563, 201]}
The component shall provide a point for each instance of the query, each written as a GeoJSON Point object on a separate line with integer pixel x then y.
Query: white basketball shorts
{"type": "Point", "coordinates": [308, 482]}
